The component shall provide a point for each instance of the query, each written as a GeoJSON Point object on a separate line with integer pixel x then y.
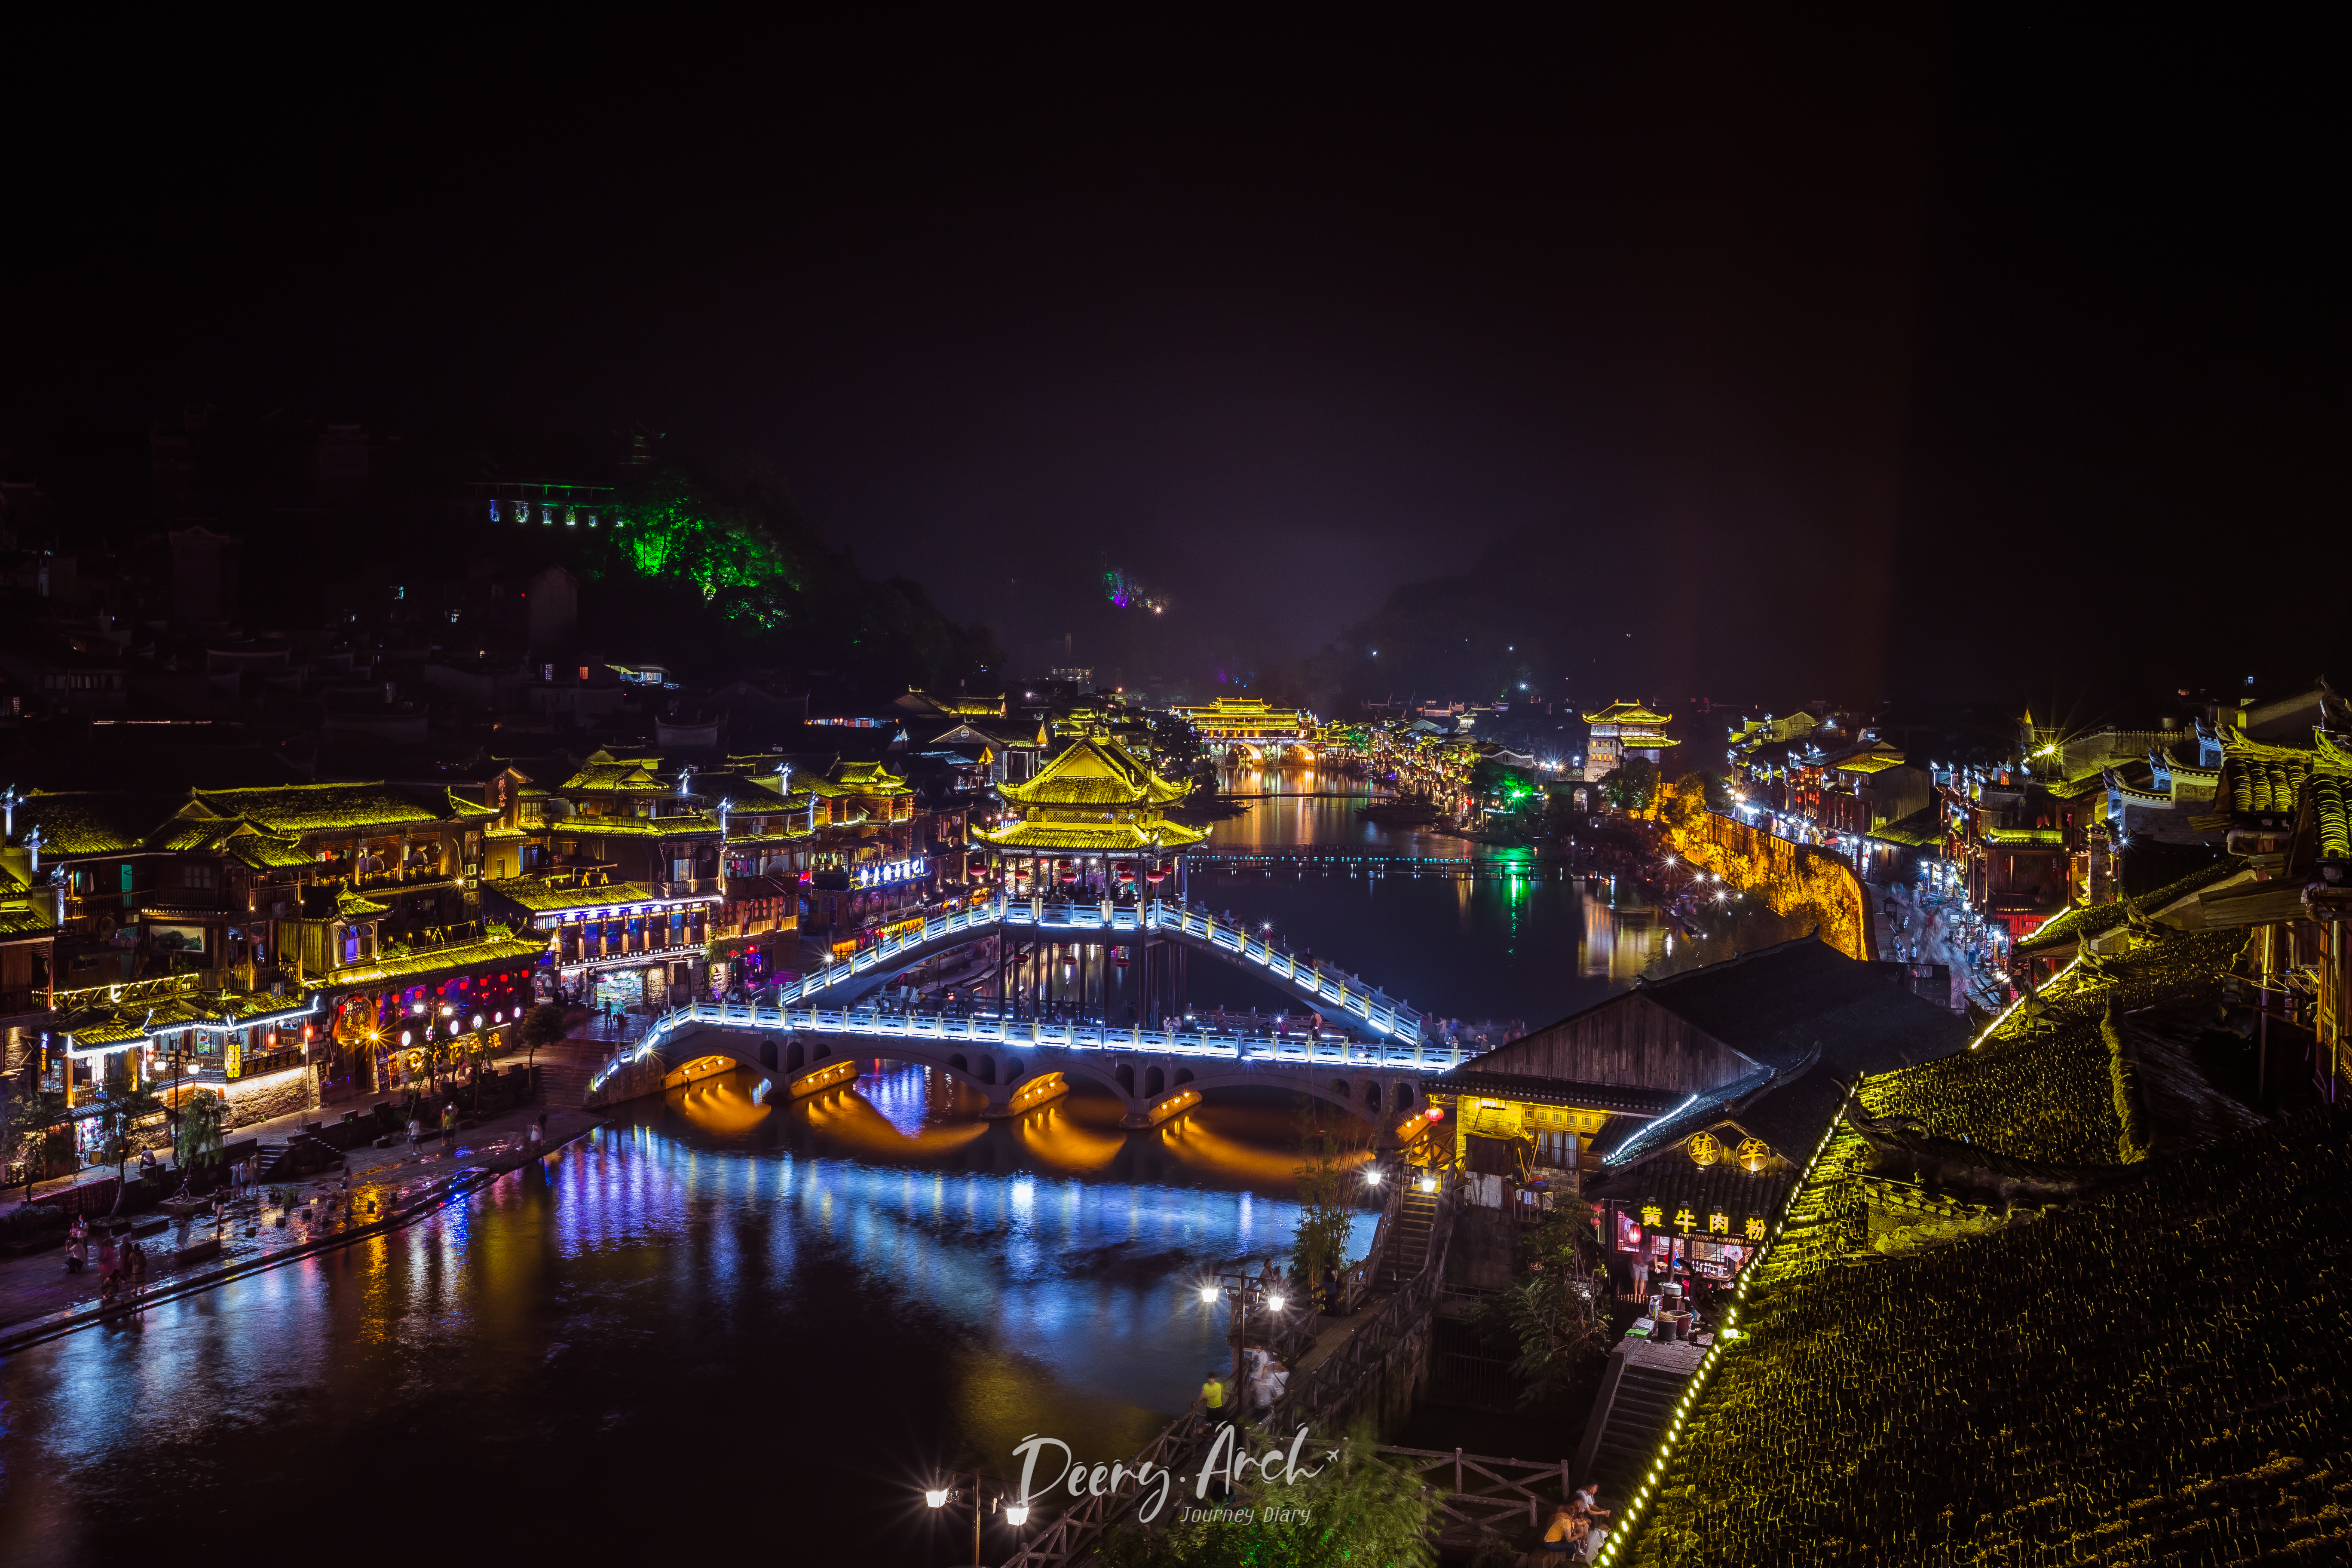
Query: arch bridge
{"type": "Point", "coordinates": [1020, 1064]}
{"type": "Point", "coordinates": [1362, 1008]}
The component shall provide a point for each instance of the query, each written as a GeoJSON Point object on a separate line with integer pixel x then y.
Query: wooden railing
{"type": "Point", "coordinates": [1317, 1395]}
{"type": "Point", "coordinates": [1067, 1538]}
{"type": "Point", "coordinates": [1069, 1535]}
{"type": "Point", "coordinates": [1488, 1495]}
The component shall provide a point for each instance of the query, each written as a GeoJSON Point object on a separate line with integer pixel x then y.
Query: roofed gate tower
{"type": "Point", "coordinates": [1621, 729]}
{"type": "Point", "coordinates": [1090, 827]}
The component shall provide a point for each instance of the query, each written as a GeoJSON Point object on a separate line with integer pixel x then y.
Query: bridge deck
{"type": "Point", "coordinates": [1185, 1042]}
{"type": "Point", "coordinates": [1322, 985]}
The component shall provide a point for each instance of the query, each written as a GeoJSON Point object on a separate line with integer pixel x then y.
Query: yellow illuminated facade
{"type": "Point", "coordinates": [1622, 729]}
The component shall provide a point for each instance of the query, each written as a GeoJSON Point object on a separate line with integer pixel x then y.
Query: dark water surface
{"type": "Point", "coordinates": [723, 1326]}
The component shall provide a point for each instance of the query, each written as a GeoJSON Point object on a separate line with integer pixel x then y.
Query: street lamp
{"type": "Point", "coordinates": [979, 1494]}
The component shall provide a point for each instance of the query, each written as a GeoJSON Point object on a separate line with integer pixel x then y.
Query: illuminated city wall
{"type": "Point", "coordinates": [1790, 876]}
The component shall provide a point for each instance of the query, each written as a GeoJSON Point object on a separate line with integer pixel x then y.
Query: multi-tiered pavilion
{"type": "Point", "coordinates": [1091, 828]}
{"type": "Point", "coordinates": [1624, 730]}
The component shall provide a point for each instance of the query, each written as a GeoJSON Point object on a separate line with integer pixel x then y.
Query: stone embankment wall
{"type": "Point", "coordinates": [1790, 876]}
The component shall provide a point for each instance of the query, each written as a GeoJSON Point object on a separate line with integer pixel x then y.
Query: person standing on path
{"type": "Point", "coordinates": [416, 1133]}
{"type": "Point", "coordinates": [449, 1129]}
{"type": "Point", "coordinates": [1213, 1398]}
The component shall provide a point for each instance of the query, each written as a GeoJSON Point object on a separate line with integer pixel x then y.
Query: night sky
{"type": "Point", "coordinates": [1854, 357]}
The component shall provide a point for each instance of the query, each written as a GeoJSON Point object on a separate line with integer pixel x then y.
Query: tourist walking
{"type": "Point", "coordinates": [1213, 1398]}
{"type": "Point", "coordinates": [76, 1248]}
{"type": "Point", "coordinates": [416, 1133]}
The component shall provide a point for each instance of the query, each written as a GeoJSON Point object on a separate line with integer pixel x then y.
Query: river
{"type": "Point", "coordinates": [717, 1324]}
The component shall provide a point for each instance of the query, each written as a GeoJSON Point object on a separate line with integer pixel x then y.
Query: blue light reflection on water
{"type": "Point", "coordinates": [857, 1319]}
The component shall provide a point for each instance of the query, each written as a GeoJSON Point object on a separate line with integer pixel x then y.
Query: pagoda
{"type": "Point", "coordinates": [1091, 823]}
{"type": "Point", "coordinates": [1622, 729]}
{"type": "Point", "coordinates": [1090, 827]}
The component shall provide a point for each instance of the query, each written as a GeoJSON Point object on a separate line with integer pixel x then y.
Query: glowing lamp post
{"type": "Point", "coordinates": [983, 1494]}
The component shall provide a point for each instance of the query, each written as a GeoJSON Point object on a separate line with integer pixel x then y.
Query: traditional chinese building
{"type": "Point", "coordinates": [1733, 1071]}
{"type": "Point", "coordinates": [1250, 723]}
{"type": "Point", "coordinates": [1624, 730]}
{"type": "Point", "coordinates": [1090, 827]}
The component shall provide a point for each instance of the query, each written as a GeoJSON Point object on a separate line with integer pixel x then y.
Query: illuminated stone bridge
{"type": "Point", "coordinates": [1019, 1063]}
{"type": "Point", "coordinates": [1345, 999]}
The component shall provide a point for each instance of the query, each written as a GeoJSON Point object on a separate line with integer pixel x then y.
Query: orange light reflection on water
{"type": "Point", "coordinates": [721, 1105]}
{"type": "Point", "coordinates": [847, 1116]}
{"type": "Point", "coordinates": [1067, 1137]}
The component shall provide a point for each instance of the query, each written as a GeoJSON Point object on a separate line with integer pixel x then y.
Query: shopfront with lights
{"type": "Point", "coordinates": [1696, 1209]}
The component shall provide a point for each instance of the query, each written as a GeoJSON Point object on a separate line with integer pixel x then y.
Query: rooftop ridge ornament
{"type": "Point", "coordinates": [8, 799]}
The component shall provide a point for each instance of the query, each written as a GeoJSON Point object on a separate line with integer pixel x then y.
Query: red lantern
{"type": "Point", "coordinates": [1436, 1114]}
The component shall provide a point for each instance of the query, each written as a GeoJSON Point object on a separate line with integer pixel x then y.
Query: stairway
{"type": "Point", "coordinates": [563, 1082]}
{"type": "Point", "coordinates": [1406, 1252]}
{"type": "Point", "coordinates": [1634, 1404]}
{"type": "Point", "coordinates": [279, 1156]}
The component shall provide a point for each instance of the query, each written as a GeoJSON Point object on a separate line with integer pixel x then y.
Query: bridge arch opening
{"type": "Point", "coordinates": [768, 1055]}
{"type": "Point", "coordinates": [958, 1062]}
{"type": "Point", "coordinates": [1183, 1077]}
{"type": "Point", "coordinates": [1155, 1082]}
{"type": "Point", "coordinates": [795, 1055]}
{"type": "Point", "coordinates": [1401, 1096]}
{"type": "Point", "coordinates": [1125, 1075]}
{"type": "Point", "coordinates": [987, 1070]}
{"type": "Point", "coordinates": [1371, 1097]}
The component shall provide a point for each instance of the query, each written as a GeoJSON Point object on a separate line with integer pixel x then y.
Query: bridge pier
{"type": "Point", "coordinates": [1143, 1113]}
{"type": "Point", "coordinates": [1019, 1100]}
{"type": "Point", "coordinates": [824, 1078]}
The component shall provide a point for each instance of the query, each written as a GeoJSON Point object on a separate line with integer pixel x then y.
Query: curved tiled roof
{"type": "Point", "coordinates": [1094, 838]}
{"type": "Point", "coordinates": [91, 822]}
{"type": "Point", "coordinates": [1095, 771]}
{"type": "Point", "coordinates": [311, 808]}
{"type": "Point", "coordinates": [1624, 712]}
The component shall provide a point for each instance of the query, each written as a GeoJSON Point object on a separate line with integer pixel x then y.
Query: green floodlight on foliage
{"type": "Point", "coordinates": [735, 563]}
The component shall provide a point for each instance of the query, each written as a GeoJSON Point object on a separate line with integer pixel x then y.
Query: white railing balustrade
{"type": "Point", "coordinates": [1374, 1006]}
{"type": "Point", "coordinates": [1174, 1038]}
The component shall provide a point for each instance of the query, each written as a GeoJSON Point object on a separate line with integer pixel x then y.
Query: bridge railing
{"type": "Point", "coordinates": [1374, 1006]}
{"type": "Point", "coordinates": [1180, 1040]}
